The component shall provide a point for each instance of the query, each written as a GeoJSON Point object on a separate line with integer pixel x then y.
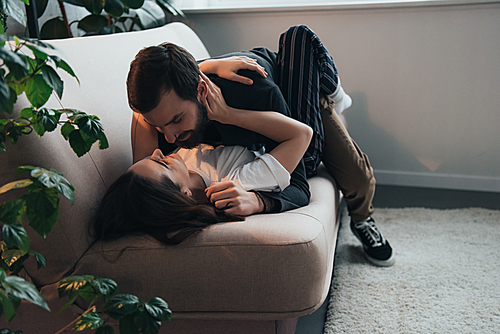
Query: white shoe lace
{"type": "Point", "coordinates": [371, 232]}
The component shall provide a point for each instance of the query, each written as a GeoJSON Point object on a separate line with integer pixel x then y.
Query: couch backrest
{"type": "Point", "coordinates": [101, 64]}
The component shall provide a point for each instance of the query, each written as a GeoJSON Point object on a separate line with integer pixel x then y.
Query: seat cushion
{"type": "Point", "coordinates": [271, 266]}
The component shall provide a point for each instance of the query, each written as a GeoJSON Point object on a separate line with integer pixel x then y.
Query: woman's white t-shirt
{"type": "Point", "coordinates": [238, 164]}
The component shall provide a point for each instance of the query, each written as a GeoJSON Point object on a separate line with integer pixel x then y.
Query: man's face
{"type": "Point", "coordinates": [181, 122]}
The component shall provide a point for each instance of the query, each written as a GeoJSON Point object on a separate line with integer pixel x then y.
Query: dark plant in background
{"type": "Point", "coordinates": [27, 68]}
{"type": "Point", "coordinates": [105, 16]}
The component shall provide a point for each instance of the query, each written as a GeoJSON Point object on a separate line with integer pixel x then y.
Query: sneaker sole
{"type": "Point", "coordinates": [381, 263]}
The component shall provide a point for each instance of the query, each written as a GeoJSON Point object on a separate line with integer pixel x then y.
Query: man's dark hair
{"type": "Point", "coordinates": [157, 70]}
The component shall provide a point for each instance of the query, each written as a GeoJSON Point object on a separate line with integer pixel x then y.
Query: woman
{"type": "Point", "coordinates": [170, 197]}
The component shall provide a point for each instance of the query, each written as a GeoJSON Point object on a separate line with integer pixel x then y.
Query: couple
{"type": "Point", "coordinates": [277, 117]}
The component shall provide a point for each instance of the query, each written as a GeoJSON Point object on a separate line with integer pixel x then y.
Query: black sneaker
{"type": "Point", "coordinates": [376, 247]}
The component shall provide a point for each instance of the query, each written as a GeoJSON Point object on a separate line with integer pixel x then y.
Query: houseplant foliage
{"type": "Point", "coordinates": [105, 16]}
{"type": "Point", "coordinates": [108, 16]}
{"type": "Point", "coordinates": [28, 68]}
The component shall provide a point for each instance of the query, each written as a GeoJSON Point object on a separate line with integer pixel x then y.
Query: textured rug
{"type": "Point", "coordinates": [446, 278]}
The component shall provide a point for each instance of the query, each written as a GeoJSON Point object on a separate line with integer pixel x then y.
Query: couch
{"type": "Point", "coordinates": [256, 276]}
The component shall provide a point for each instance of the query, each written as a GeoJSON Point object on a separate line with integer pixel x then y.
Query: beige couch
{"type": "Point", "coordinates": [255, 276]}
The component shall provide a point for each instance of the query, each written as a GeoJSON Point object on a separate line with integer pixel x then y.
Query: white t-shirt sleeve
{"type": "Point", "coordinates": [264, 173]}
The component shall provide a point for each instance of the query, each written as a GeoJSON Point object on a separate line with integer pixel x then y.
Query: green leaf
{"type": "Point", "coordinates": [41, 6]}
{"type": "Point", "coordinates": [114, 8]}
{"type": "Point", "coordinates": [4, 94]}
{"type": "Point", "coordinates": [19, 288]}
{"type": "Point", "coordinates": [67, 191]}
{"type": "Point", "coordinates": [14, 133]}
{"type": "Point", "coordinates": [64, 66]}
{"type": "Point", "coordinates": [104, 286]}
{"type": "Point", "coordinates": [40, 43]}
{"type": "Point", "coordinates": [66, 129]}
{"type": "Point", "coordinates": [15, 235]}
{"type": "Point", "coordinates": [37, 91]}
{"type": "Point", "coordinates": [72, 284]}
{"type": "Point", "coordinates": [12, 9]}
{"type": "Point", "coordinates": [15, 185]}
{"type": "Point", "coordinates": [45, 120]}
{"type": "Point", "coordinates": [53, 79]}
{"type": "Point", "coordinates": [158, 309]}
{"type": "Point", "coordinates": [130, 324]}
{"type": "Point", "coordinates": [25, 169]}
{"type": "Point", "coordinates": [37, 52]}
{"type": "Point", "coordinates": [90, 128]}
{"type": "Point", "coordinates": [42, 210]}
{"type": "Point", "coordinates": [11, 210]}
{"type": "Point", "coordinates": [134, 4]}
{"type": "Point", "coordinates": [103, 142]}
{"type": "Point", "coordinates": [12, 58]}
{"type": "Point", "coordinates": [151, 15]}
{"type": "Point", "coordinates": [17, 87]}
{"type": "Point", "coordinates": [105, 330]}
{"type": "Point", "coordinates": [150, 325]}
{"type": "Point", "coordinates": [79, 146]}
{"type": "Point", "coordinates": [11, 256]}
{"type": "Point", "coordinates": [54, 29]}
{"type": "Point", "coordinates": [26, 113]}
{"type": "Point", "coordinates": [94, 6]}
{"type": "Point", "coordinates": [41, 260]}
{"type": "Point", "coordinates": [7, 307]}
{"type": "Point", "coordinates": [90, 320]}
{"type": "Point", "coordinates": [17, 265]}
{"type": "Point", "coordinates": [92, 24]}
{"type": "Point", "coordinates": [119, 306]}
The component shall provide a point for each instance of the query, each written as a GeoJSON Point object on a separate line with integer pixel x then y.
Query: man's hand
{"type": "Point", "coordinates": [233, 199]}
{"type": "Point", "coordinates": [217, 109]}
{"type": "Point", "coordinates": [227, 67]}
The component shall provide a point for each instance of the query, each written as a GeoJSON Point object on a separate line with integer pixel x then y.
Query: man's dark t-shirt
{"type": "Point", "coordinates": [263, 95]}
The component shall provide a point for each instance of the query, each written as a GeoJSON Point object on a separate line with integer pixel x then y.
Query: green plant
{"type": "Point", "coordinates": [109, 16]}
{"type": "Point", "coordinates": [28, 69]}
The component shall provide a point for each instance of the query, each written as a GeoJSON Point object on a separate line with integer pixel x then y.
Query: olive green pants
{"type": "Point", "coordinates": [348, 165]}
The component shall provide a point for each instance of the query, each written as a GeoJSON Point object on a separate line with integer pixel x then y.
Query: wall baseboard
{"type": "Point", "coordinates": [441, 181]}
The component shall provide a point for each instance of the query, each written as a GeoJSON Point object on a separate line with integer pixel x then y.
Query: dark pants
{"type": "Point", "coordinates": [306, 76]}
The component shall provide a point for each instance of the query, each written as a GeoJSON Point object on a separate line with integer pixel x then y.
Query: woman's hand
{"type": "Point", "coordinates": [233, 199]}
{"type": "Point", "coordinates": [227, 67]}
{"type": "Point", "coordinates": [217, 109]}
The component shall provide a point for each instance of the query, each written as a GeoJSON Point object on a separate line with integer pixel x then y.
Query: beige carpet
{"type": "Point", "coordinates": [446, 278]}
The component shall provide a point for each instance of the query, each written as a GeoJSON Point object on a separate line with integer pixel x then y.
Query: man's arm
{"type": "Point", "coordinates": [144, 138]}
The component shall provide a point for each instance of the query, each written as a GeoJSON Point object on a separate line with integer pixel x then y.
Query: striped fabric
{"type": "Point", "coordinates": [306, 70]}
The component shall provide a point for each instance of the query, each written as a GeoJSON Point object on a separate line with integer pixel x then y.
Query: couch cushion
{"type": "Point", "coordinates": [272, 266]}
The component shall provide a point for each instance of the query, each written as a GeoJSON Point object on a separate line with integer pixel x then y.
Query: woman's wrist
{"type": "Point", "coordinates": [206, 66]}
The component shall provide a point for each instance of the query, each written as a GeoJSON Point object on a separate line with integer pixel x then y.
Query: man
{"type": "Point", "coordinates": [169, 97]}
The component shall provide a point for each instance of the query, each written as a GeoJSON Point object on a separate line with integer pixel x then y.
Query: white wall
{"type": "Point", "coordinates": [425, 83]}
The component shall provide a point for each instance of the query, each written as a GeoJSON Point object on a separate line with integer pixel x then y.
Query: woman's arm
{"type": "Point", "coordinates": [227, 68]}
{"type": "Point", "coordinates": [293, 137]}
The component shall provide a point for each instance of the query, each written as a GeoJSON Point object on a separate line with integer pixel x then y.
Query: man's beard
{"type": "Point", "coordinates": [195, 135]}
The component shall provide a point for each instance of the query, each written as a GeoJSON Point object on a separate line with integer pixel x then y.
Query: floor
{"type": "Point", "coordinates": [399, 197]}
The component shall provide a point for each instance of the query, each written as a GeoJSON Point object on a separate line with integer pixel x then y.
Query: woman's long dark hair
{"type": "Point", "coordinates": [135, 205]}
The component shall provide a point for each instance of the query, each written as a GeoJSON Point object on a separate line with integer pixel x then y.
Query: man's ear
{"type": "Point", "coordinates": [202, 89]}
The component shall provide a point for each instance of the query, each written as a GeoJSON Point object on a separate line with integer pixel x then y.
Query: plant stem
{"type": "Point", "coordinates": [65, 17]}
{"type": "Point", "coordinates": [92, 309]}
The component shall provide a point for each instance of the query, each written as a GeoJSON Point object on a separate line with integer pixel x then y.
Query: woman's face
{"type": "Point", "coordinates": [158, 165]}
